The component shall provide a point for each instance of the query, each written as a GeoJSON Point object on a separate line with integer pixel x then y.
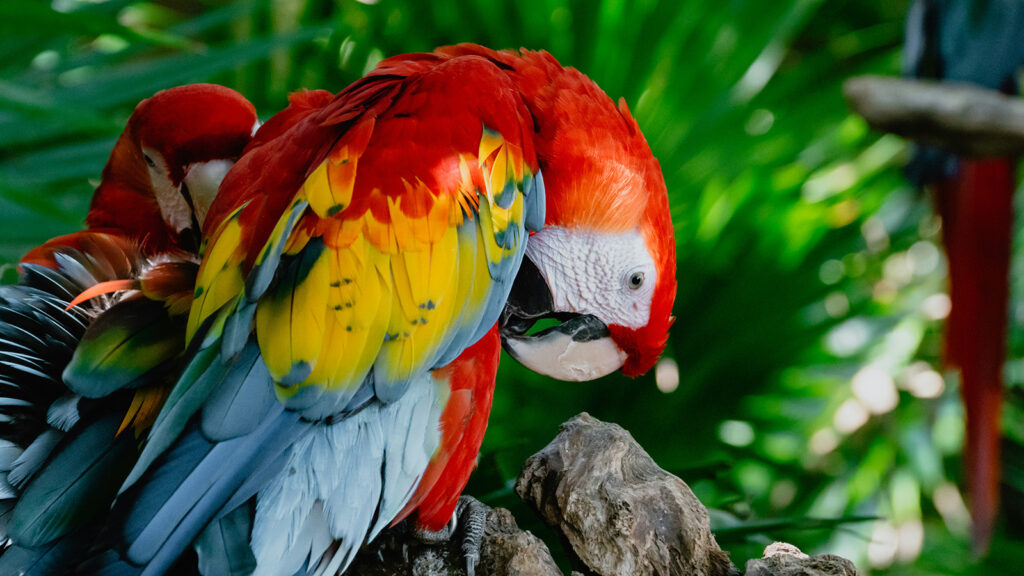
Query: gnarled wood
{"type": "Point", "coordinates": [621, 514]}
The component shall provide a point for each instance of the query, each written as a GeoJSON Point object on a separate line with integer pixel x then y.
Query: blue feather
{"type": "Point", "coordinates": [9, 452]}
{"type": "Point", "coordinates": [261, 276]}
{"type": "Point", "coordinates": [180, 495]}
{"type": "Point", "coordinates": [536, 203]}
{"type": "Point", "coordinates": [63, 413]}
{"type": "Point", "coordinates": [77, 483]}
{"type": "Point", "coordinates": [32, 459]}
{"type": "Point", "coordinates": [223, 548]}
{"type": "Point", "coordinates": [54, 559]}
{"type": "Point", "coordinates": [200, 377]}
{"type": "Point", "coordinates": [50, 280]}
{"type": "Point", "coordinates": [238, 329]}
{"type": "Point", "coordinates": [229, 410]}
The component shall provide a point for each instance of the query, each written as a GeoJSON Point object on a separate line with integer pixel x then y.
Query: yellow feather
{"type": "Point", "coordinates": [487, 227]}
{"type": "Point", "coordinates": [403, 226]}
{"type": "Point", "coordinates": [297, 241]}
{"type": "Point", "coordinates": [498, 174]}
{"type": "Point", "coordinates": [490, 140]}
{"type": "Point", "coordinates": [334, 348]}
{"type": "Point", "coordinates": [374, 308]}
{"type": "Point", "coordinates": [356, 322]}
{"type": "Point", "coordinates": [146, 404]}
{"type": "Point", "coordinates": [309, 307]}
{"type": "Point", "coordinates": [342, 174]}
{"type": "Point", "coordinates": [379, 234]}
{"type": "Point", "coordinates": [220, 276]}
{"type": "Point", "coordinates": [317, 191]}
{"type": "Point", "coordinates": [442, 280]}
{"type": "Point", "coordinates": [436, 224]}
{"type": "Point", "coordinates": [346, 233]}
{"type": "Point", "coordinates": [425, 285]}
{"type": "Point", "coordinates": [466, 270]}
{"type": "Point", "coordinates": [329, 188]}
{"type": "Point", "coordinates": [482, 282]}
{"type": "Point", "coordinates": [272, 315]}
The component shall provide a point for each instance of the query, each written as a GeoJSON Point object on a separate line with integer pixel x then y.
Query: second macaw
{"type": "Point", "coordinates": [977, 42]}
{"type": "Point", "coordinates": [72, 378]}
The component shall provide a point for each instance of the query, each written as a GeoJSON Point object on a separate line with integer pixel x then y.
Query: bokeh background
{"type": "Point", "coordinates": [801, 394]}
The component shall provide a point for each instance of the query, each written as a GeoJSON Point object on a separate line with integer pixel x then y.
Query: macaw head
{"type": "Point", "coordinates": [167, 165]}
{"type": "Point", "coordinates": [603, 267]}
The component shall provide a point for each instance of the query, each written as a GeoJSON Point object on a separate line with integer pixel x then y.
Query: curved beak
{"type": "Point", "coordinates": [580, 348]}
{"type": "Point", "coordinates": [200, 185]}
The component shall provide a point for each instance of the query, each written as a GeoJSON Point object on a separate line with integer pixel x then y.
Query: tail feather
{"type": "Point", "coordinates": [977, 212]}
{"type": "Point", "coordinates": [54, 559]}
{"type": "Point", "coordinates": [223, 548]}
{"type": "Point", "coordinates": [61, 457]}
{"type": "Point", "coordinates": [188, 486]}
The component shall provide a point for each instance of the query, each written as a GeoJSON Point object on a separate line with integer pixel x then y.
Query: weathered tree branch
{"type": "Point", "coordinates": [618, 512]}
{"type": "Point", "coordinates": [961, 118]}
{"type": "Point", "coordinates": [621, 514]}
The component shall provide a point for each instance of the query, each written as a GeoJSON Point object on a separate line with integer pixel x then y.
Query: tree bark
{"type": "Point", "coordinates": [619, 514]}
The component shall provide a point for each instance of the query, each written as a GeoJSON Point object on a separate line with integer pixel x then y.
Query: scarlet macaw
{"type": "Point", "coordinates": [142, 234]}
{"type": "Point", "coordinates": [977, 42]}
{"type": "Point", "coordinates": [343, 338]}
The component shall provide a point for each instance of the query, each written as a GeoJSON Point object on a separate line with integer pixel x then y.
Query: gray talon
{"type": "Point", "coordinates": [472, 514]}
{"type": "Point", "coordinates": [474, 518]}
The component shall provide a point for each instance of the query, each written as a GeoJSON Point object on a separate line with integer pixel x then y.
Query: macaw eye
{"type": "Point", "coordinates": [636, 280]}
{"type": "Point", "coordinates": [149, 161]}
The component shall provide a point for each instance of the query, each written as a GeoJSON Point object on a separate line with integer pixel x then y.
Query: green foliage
{"type": "Point", "coordinates": [809, 308]}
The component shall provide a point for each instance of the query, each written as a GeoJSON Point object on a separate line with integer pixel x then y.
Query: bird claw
{"type": "Point", "coordinates": [474, 519]}
{"type": "Point", "coordinates": [472, 514]}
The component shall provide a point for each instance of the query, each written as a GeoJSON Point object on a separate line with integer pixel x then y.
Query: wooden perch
{"type": "Point", "coordinates": [621, 514]}
{"type": "Point", "coordinates": [961, 118]}
{"type": "Point", "coordinates": [618, 512]}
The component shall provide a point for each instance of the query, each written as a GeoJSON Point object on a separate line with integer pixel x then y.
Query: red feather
{"type": "Point", "coordinates": [463, 422]}
{"type": "Point", "coordinates": [977, 214]}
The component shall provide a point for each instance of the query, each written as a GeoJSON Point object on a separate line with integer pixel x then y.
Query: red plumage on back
{"type": "Point", "coordinates": [596, 159]}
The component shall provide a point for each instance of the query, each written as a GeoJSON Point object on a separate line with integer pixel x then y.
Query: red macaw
{"type": "Point", "coordinates": [54, 359]}
{"type": "Point", "coordinates": [344, 333]}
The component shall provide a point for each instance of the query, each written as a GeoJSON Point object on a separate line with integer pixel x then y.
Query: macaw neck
{"type": "Point", "coordinates": [135, 213]}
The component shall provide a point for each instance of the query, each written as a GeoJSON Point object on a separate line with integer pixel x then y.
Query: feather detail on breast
{"type": "Point", "coordinates": [470, 382]}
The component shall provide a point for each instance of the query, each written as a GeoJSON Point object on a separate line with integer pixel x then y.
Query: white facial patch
{"type": "Point", "coordinates": [173, 207]}
{"type": "Point", "coordinates": [611, 276]}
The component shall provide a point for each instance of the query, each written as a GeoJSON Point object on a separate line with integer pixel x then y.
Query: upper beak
{"type": "Point", "coordinates": [202, 181]}
{"type": "Point", "coordinates": [578, 349]}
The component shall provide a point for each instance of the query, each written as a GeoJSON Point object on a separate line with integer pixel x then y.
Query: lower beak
{"type": "Point", "coordinates": [580, 348]}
